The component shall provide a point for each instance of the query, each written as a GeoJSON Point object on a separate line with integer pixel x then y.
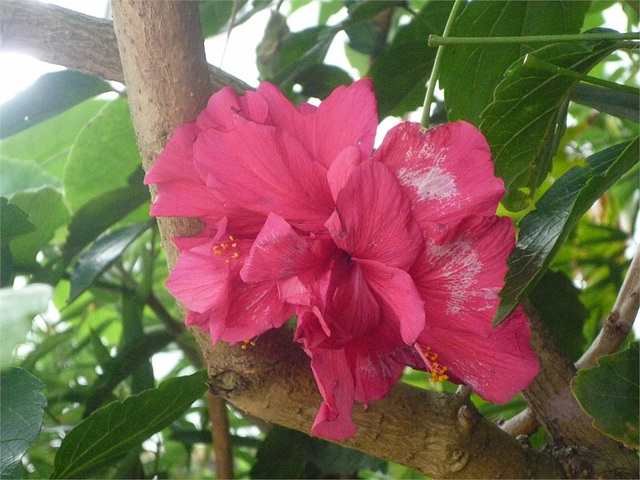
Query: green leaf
{"type": "Point", "coordinates": [21, 411]}
{"type": "Point", "coordinates": [19, 306]}
{"type": "Point", "coordinates": [48, 142]}
{"type": "Point", "coordinates": [128, 359]}
{"type": "Point", "coordinates": [14, 221]}
{"type": "Point", "coordinates": [114, 430]}
{"type": "Point", "coordinates": [526, 120]}
{"type": "Point", "coordinates": [102, 254]}
{"type": "Point", "coordinates": [555, 298]}
{"type": "Point", "coordinates": [49, 95]}
{"type": "Point", "coordinates": [608, 393]}
{"type": "Point", "coordinates": [18, 175]}
{"type": "Point", "coordinates": [99, 213]}
{"type": "Point", "coordinates": [103, 156]}
{"type": "Point", "coordinates": [320, 80]}
{"type": "Point", "coordinates": [216, 15]}
{"type": "Point", "coordinates": [470, 73]}
{"type": "Point", "coordinates": [543, 230]}
{"type": "Point", "coordinates": [287, 453]}
{"type": "Point", "coordinates": [607, 100]}
{"type": "Point", "coordinates": [47, 211]}
{"type": "Point", "coordinates": [401, 71]}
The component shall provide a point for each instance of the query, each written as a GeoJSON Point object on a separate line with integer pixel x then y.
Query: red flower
{"type": "Point", "coordinates": [387, 260]}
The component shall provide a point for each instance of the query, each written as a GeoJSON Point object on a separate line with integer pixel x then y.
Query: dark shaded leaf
{"type": "Point", "coordinates": [128, 359]}
{"type": "Point", "coordinates": [104, 252]}
{"type": "Point", "coordinates": [608, 393]}
{"type": "Point", "coordinates": [21, 411]}
{"type": "Point", "coordinates": [607, 100]}
{"type": "Point", "coordinates": [470, 73]}
{"type": "Point", "coordinates": [14, 221]}
{"type": "Point", "coordinates": [99, 213]}
{"type": "Point", "coordinates": [50, 95]}
{"type": "Point", "coordinates": [291, 454]}
{"type": "Point", "coordinates": [320, 80]}
{"type": "Point", "coordinates": [369, 9]}
{"type": "Point", "coordinates": [556, 300]}
{"type": "Point", "coordinates": [401, 71]}
{"type": "Point", "coordinates": [114, 430]}
{"type": "Point", "coordinates": [526, 120]}
{"type": "Point", "coordinates": [543, 230]}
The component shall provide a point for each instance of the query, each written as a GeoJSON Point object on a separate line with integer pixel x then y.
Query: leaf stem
{"type": "Point", "coordinates": [435, 71]}
{"type": "Point", "coordinates": [534, 62]}
{"type": "Point", "coordinates": [439, 41]}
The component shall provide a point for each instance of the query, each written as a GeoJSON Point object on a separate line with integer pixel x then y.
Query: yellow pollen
{"type": "Point", "coordinates": [248, 343]}
{"type": "Point", "coordinates": [438, 371]}
{"type": "Point", "coordinates": [227, 250]}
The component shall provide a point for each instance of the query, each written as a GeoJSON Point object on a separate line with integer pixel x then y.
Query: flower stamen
{"type": "Point", "coordinates": [438, 371]}
{"type": "Point", "coordinates": [227, 249]}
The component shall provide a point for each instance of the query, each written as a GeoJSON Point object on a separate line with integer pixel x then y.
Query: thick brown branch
{"type": "Point", "coordinates": [613, 333]}
{"type": "Point", "coordinates": [585, 452]}
{"type": "Point", "coordinates": [76, 41]}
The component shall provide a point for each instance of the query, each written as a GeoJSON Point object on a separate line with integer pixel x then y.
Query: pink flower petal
{"type": "Point", "coordinates": [279, 252]}
{"type": "Point", "coordinates": [400, 298]}
{"type": "Point", "coordinates": [347, 117]}
{"type": "Point", "coordinates": [373, 218]}
{"type": "Point", "coordinates": [459, 278]}
{"type": "Point", "coordinates": [496, 366]}
{"type": "Point", "coordinates": [223, 106]}
{"type": "Point", "coordinates": [446, 171]}
{"type": "Point", "coordinates": [336, 385]}
{"type": "Point", "coordinates": [341, 168]}
{"type": "Point", "coordinates": [263, 169]}
{"type": "Point", "coordinates": [199, 279]}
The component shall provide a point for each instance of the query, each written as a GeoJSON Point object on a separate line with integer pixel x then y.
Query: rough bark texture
{"type": "Point", "coordinates": [79, 42]}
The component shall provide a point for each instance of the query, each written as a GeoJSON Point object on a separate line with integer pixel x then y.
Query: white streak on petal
{"type": "Point", "coordinates": [430, 182]}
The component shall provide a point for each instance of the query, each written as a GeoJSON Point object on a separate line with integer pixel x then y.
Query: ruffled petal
{"type": "Point", "coordinates": [404, 309]}
{"type": "Point", "coordinates": [459, 278]}
{"type": "Point", "coordinates": [223, 106]}
{"type": "Point", "coordinates": [446, 171]}
{"type": "Point", "coordinates": [495, 366]}
{"type": "Point", "coordinates": [347, 117]}
{"type": "Point", "coordinates": [373, 218]}
{"type": "Point", "coordinates": [263, 169]}
{"type": "Point", "coordinates": [279, 252]}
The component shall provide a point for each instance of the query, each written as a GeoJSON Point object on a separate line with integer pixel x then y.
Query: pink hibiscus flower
{"type": "Point", "coordinates": [387, 260]}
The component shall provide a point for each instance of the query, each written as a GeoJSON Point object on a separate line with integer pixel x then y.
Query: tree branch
{"type": "Point", "coordinates": [612, 335]}
{"type": "Point", "coordinates": [76, 41]}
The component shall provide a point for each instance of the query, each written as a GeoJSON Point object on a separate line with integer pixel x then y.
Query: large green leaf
{"type": "Point", "coordinates": [102, 254]}
{"type": "Point", "coordinates": [111, 432]}
{"type": "Point", "coordinates": [401, 71]}
{"type": "Point", "coordinates": [103, 156]}
{"type": "Point", "coordinates": [21, 411]}
{"type": "Point", "coordinates": [47, 211]}
{"type": "Point", "coordinates": [607, 100]}
{"type": "Point", "coordinates": [608, 393]}
{"type": "Point", "coordinates": [51, 94]}
{"type": "Point", "coordinates": [526, 120]}
{"type": "Point", "coordinates": [543, 230]}
{"type": "Point", "coordinates": [48, 142]}
{"type": "Point", "coordinates": [470, 73]}
{"type": "Point", "coordinates": [215, 15]}
{"type": "Point", "coordinates": [19, 306]}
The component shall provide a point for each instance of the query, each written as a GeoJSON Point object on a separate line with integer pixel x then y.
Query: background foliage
{"type": "Point", "coordinates": [108, 381]}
